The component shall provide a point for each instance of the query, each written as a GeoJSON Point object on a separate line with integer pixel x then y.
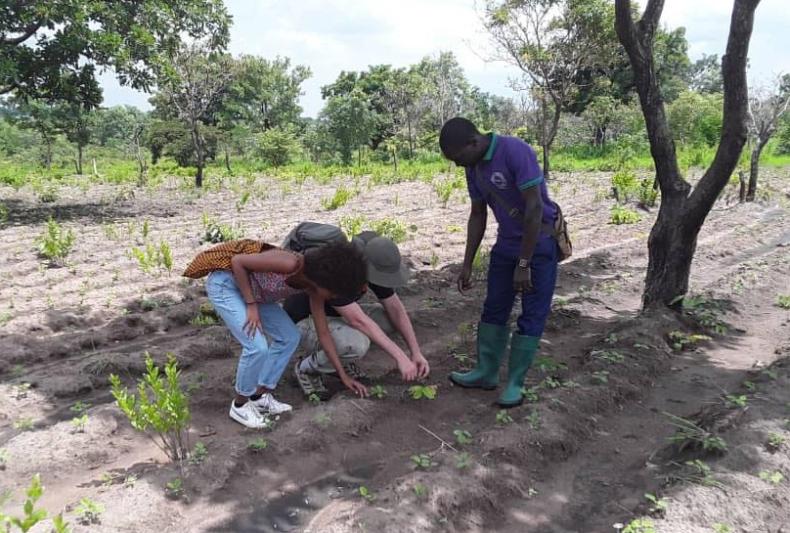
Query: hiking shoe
{"type": "Point", "coordinates": [248, 415]}
{"type": "Point", "coordinates": [310, 383]}
{"type": "Point", "coordinates": [267, 404]}
{"type": "Point", "coordinates": [353, 371]}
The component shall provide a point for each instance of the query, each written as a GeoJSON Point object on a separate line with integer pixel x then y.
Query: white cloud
{"type": "Point", "coordinates": [334, 35]}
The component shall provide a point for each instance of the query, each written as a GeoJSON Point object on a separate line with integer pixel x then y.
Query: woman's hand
{"type": "Point", "coordinates": [355, 386]}
{"type": "Point", "coordinates": [253, 320]}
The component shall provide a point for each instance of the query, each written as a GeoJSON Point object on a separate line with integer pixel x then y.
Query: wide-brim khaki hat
{"type": "Point", "coordinates": [385, 265]}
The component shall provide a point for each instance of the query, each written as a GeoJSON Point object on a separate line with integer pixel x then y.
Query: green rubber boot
{"type": "Point", "coordinates": [522, 353]}
{"type": "Point", "coordinates": [491, 346]}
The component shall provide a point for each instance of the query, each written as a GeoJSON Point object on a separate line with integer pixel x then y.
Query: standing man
{"type": "Point", "coordinates": [353, 326]}
{"type": "Point", "coordinates": [503, 173]}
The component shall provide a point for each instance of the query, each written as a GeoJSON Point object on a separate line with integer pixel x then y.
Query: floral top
{"type": "Point", "coordinates": [270, 287]}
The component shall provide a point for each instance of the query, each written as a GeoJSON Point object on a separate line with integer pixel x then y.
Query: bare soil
{"type": "Point", "coordinates": [579, 458]}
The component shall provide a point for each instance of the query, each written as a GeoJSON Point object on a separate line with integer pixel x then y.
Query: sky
{"type": "Point", "coordinates": [334, 35]}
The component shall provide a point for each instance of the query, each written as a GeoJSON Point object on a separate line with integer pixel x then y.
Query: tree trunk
{"type": "Point", "coordinates": [682, 213]}
{"type": "Point", "coordinates": [79, 159]}
{"type": "Point", "coordinates": [754, 170]}
{"type": "Point", "coordinates": [411, 140]}
{"type": "Point", "coordinates": [742, 191]}
{"type": "Point", "coordinates": [95, 169]}
{"type": "Point", "coordinates": [671, 248]}
{"type": "Point", "coordinates": [197, 141]}
{"type": "Point", "coordinates": [546, 149]}
{"type": "Point", "coordinates": [227, 160]}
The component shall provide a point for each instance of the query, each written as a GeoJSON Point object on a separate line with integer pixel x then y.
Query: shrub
{"type": "Point", "coordinates": [55, 243]}
{"type": "Point", "coordinates": [623, 215]}
{"type": "Point", "coordinates": [275, 146]}
{"type": "Point", "coordinates": [339, 199]}
{"type": "Point", "coordinates": [390, 228]}
{"type": "Point", "coordinates": [624, 185]}
{"type": "Point", "coordinates": [647, 194]}
{"type": "Point", "coordinates": [445, 187]}
{"type": "Point", "coordinates": [161, 407]}
{"type": "Point", "coordinates": [352, 225]}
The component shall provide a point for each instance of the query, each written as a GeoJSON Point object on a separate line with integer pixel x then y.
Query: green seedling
{"type": "Point", "coordinates": [323, 420]}
{"type": "Point", "coordinates": [257, 445]}
{"type": "Point", "coordinates": [79, 423]}
{"type": "Point", "coordinates": [721, 528]}
{"type": "Point", "coordinates": [601, 377]}
{"type": "Point", "coordinates": [314, 399]}
{"type": "Point", "coordinates": [530, 394]}
{"type": "Point", "coordinates": [3, 458]}
{"type": "Point", "coordinates": [550, 383]}
{"type": "Point", "coordinates": [783, 301]}
{"type": "Point", "coordinates": [690, 435]}
{"type": "Point", "coordinates": [366, 494]}
{"type": "Point", "coordinates": [548, 364]}
{"type": "Point", "coordinates": [773, 375]}
{"type": "Point", "coordinates": [739, 400]}
{"type": "Point", "coordinates": [420, 490]}
{"type": "Point", "coordinates": [750, 386]}
{"type": "Point", "coordinates": [203, 321]}
{"type": "Point", "coordinates": [503, 418]}
{"type": "Point", "coordinates": [640, 525]}
{"type": "Point", "coordinates": [610, 356]}
{"type": "Point", "coordinates": [658, 506]}
{"type": "Point", "coordinates": [378, 391]}
{"type": "Point", "coordinates": [55, 243]}
{"type": "Point", "coordinates": [463, 460]}
{"type": "Point", "coordinates": [775, 442]}
{"type": "Point", "coordinates": [174, 488]}
{"type": "Point", "coordinates": [89, 512]}
{"type": "Point", "coordinates": [31, 516]}
{"type": "Point", "coordinates": [462, 437]}
{"type": "Point", "coordinates": [534, 420]}
{"type": "Point", "coordinates": [700, 473]}
{"type": "Point", "coordinates": [199, 454]}
{"type": "Point", "coordinates": [684, 341]}
{"type": "Point", "coordinates": [623, 215]}
{"type": "Point", "coordinates": [79, 407]}
{"type": "Point", "coordinates": [24, 424]}
{"type": "Point", "coordinates": [146, 229]}
{"type": "Point", "coordinates": [774, 478]}
{"type": "Point", "coordinates": [422, 461]}
{"type": "Point", "coordinates": [419, 392]}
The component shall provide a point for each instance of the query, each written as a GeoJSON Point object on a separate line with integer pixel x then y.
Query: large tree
{"type": "Point", "coordinates": [552, 42]}
{"type": "Point", "coordinates": [350, 120]}
{"type": "Point", "coordinates": [50, 49]}
{"type": "Point", "coordinates": [194, 86]}
{"type": "Point", "coordinates": [683, 210]}
{"type": "Point", "coordinates": [766, 107]}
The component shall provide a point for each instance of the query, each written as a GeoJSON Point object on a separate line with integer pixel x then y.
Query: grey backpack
{"type": "Point", "coordinates": [311, 235]}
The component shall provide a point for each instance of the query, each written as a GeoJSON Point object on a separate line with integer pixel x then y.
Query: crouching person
{"type": "Point", "coordinates": [353, 325]}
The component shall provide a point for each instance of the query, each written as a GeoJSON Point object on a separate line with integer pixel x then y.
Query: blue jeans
{"type": "Point", "coordinates": [535, 306]}
{"type": "Point", "coordinates": [260, 364]}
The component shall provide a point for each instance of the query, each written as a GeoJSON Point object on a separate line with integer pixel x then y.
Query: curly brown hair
{"type": "Point", "coordinates": [338, 267]}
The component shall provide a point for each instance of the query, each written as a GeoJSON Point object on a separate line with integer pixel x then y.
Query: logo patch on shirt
{"type": "Point", "coordinates": [499, 180]}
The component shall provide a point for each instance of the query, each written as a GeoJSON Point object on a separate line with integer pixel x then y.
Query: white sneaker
{"type": "Point", "coordinates": [248, 415]}
{"type": "Point", "coordinates": [267, 404]}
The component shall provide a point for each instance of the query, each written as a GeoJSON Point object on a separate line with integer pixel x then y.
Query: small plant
{"type": "Point", "coordinates": [658, 506]}
{"type": "Point", "coordinates": [390, 228]}
{"type": "Point", "coordinates": [783, 301]}
{"type": "Point", "coordinates": [366, 494]}
{"type": "Point", "coordinates": [640, 525]}
{"type": "Point", "coordinates": [422, 461]}
{"type": "Point", "coordinates": [339, 199]}
{"type": "Point", "coordinates": [32, 516]}
{"type": "Point", "coordinates": [623, 215]}
{"type": "Point", "coordinates": [418, 392]}
{"type": "Point", "coordinates": [683, 341]}
{"type": "Point", "coordinates": [165, 256]}
{"type": "Point", "coordinates": [610, 356]}
{"type": "Point", "coordinates": [323, 420]}
{"type": "Point", "coordinates": [199, 454]}
{"type": "Point", "coordinates": [601, 377]}
{"type": "Point", "coordinates": [549, 365]}
{"type": "Point", "coordinates": [3, 458]}
{"type": "Point", "coordinates": [89, 512]}
{"type": "Point", "coordinates": [550, 383]}
{"type": "Point", "coordinates": [79, 423]}
{"type": "Point", "coordinates": [23, 424]}
{"type": "Point", "coordinates": [242, 201]}
{"type": "Point", "coordinates": [534, 420]}
{"type": "Point", "coordinates": [736, 400]}
{"type": "Point", "coordinates": [530, 394]}
{"type": "Point", "coordinates": [774, 478]}
{"type": "Point", "coordinates": [217, 233]}
{"type": "Point", "coordinates": [688, 434]}
{"type": "Point", "coordinates": [257, 445]}
{"type": "Point", "coordinates": [463, 460]}
{"type": "Point", "coordinates": [445, 188]}
{"type": "Point", "coordinates": [152, 257]}
{"type": "Point", "coordinates": [750, 386]}
{"type": "Point", "coordinates": [480, 262]}
{"type": "Point", "coordinates": [314, 399]}
{"type": "Point", "coordinates": [203, 320]}
{"type": "Point", "coordinates": [161, 407]}
{"type": "Point", "coordinates": [647, 193]}
{"type": "Point", "coordinates": [146, 229]}
{"type": "Point", "coordinates": [503, 418]}
{"type": "Point", "coordinates": [377, 391]}
{"type": "Point", "coordinates": [48, 195]}
{"type": "Point", "coordinates": [624, 185]}
{"type": "Point", "coordinates": [352, 225]}
{"type": "Point", "coordinates": [174, 489]}
{"type": "Point", "coordinates": [55, 243]}
{"type": "Point", "coordinates": [721, 528]}
{"type": "Point", "coordinates": [775, 442]}
{"type": "Point", "coordinates": [700, 473]}
{"type": "Point", "coordinates": [420, 490]}
{"type": "Point", "coordinates": [462, 437]}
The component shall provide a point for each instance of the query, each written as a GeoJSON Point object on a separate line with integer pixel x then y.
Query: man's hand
{"type": "Point", "coordinates": [465, 278]}
{"type": "Point", "coordinates": [355, 386]}
{"type": "Point", "coordinates": [407, 369]}
{"type": "Point", "coordinates": [423, 368]}
{"type": "Point", "coordinates": [522, 279]}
